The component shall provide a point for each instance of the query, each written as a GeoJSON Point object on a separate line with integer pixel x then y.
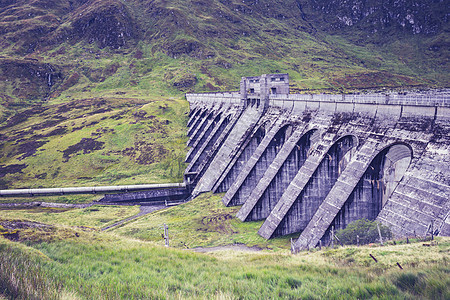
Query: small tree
{"type": "Point", "coordinates": [365, 229]}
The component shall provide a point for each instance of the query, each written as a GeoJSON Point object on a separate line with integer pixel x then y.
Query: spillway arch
{"type": "Point", "coordinates": [261, 159]}
{"type": "Point", "coordinates": [310, 196]}
{"type": "Point", "coordinates": [375, 187]}
{"type": "Point", "coordinates": [268, 192]}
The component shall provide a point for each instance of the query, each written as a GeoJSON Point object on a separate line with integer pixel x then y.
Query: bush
{"type": "Point", "coordinates": [365, 229]}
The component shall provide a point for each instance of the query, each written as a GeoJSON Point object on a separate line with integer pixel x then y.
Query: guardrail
{"type": "Point", "coordinates": [435, 99]}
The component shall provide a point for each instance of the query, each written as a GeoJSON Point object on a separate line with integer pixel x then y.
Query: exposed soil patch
{"type": "Point", "coordinates": [217, 223]}
{"type": "Point", "coordinates": [145, 153]}
{"type": "Point", "coordinates": [11, 229]}
{"type": "Point", "coordinates": [22, 230]}
{"type": "Point", "coordinates": [11, 169]}
{"type": "Point", "coordinates": [86, 145]}
{"type": "Point", "coordinates": [20, 224]}
{"type": "Point", "coordinates": [234, 247]}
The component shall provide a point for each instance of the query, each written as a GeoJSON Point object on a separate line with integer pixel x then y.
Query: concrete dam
{"type": "Point", "coordinates": [309, 164]}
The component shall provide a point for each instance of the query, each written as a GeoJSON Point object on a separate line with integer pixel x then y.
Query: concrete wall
{"type": "Point", "coordinates": [376, 156]}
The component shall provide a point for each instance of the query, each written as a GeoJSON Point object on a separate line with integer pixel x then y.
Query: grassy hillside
{"type": "Point", "coordinates": [63, 255]}
{"type": "Point", "coordinates": [91, 92]}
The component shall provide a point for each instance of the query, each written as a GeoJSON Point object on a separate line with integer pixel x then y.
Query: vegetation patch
{"type": "Point", "coordinates": [94, 217]}
{"type": "Point", "coordinates": [34, 232]}
{"type": "Point", "coordinates": [86, 145]}
{"type": "Point", "coordinates": [202, 222]}
{"type": "Point", "coordinates": [29, 148]}
{"type": "Point", "coordinates": [11, 169]}
{"type": "Point", "coordinates": [363, 232]}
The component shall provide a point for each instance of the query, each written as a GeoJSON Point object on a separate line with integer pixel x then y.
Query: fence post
{"type": "Point", "coordinates": [432, 230]}
{"type": "Point", "coordinates": [379, 233]}
{"type": "Point", "coordinates": [332, 237]}
{"type": "Point", "coordinates": [166, 235]}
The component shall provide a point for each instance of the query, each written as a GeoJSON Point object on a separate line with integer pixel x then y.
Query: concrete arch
{"type": "Point", "coordinates": [302, 207]}
{"type": "Point", "coordinates": [202, 138]}
{"type": "Point", "coordinates": [373, 190]}
{"type": "Point", "coordinates": [193, 115]}
{"type": "Point", "coordinates": [278, 176]}
{"type": "Point", "coordinates": [241, 128]}
{"type": "Point", "coordinates": [198, 120]}
{"type": "Point", "coordinates": [229, 177]}
{"type": "Point", "coordinates": [364, 171]}
{"type": "Point", "coordinates": [216, 130]}
{"type": "Point", "coordinates": [201, 128]}
{"type": "Point", "coordinates": [258, 164]}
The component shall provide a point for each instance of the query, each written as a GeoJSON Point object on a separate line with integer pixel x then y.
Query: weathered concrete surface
{"type": "Point", "coordinates": [255, 167]}
{"type": "Point", "coordinates": [240, 158]}
{"type": "Point", "coordinates": [236, 137]}
{"type": "Point", "coordinates": [153, 195]}
{"type": "Point", "coordinates": [277, 177]}
{"type": "Point", "coordinates": [376, 156]}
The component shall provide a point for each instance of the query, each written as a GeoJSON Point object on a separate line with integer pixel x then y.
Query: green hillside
{"type": "Point", "coordinates": [91, 92]}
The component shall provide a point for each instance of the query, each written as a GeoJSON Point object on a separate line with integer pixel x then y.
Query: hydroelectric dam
{"type": "Point", "coordinates": [309, 164]}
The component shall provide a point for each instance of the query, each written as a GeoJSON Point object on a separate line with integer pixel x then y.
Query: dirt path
{"type": "Point", "coordinates": [235, 247]}
{"type": "Point", "coordinates": [145, 209]}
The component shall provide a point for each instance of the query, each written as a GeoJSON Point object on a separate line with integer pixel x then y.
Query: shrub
{"type": "Point", "coordinates": [365, 229]}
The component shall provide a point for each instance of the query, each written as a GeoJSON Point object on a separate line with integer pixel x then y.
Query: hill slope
{"type": "Point", "coordinates": [75, 75]}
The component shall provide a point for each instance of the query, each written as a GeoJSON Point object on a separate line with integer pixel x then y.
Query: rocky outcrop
{"type": "Point", "coordinates": [29, 79]}
{"type": "Point", "coordinates": [28, 26]}
{"type": "Point", "coordinates": [416, 17]}
{"type": "Point", "coordinates": [105, 23]}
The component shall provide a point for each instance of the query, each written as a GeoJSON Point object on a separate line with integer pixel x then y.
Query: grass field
{"type": "Point", "coordinates": [65, 256]}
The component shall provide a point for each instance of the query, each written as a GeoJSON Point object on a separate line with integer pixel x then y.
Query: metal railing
{"type": "Point", "coordinates": [429, 99]}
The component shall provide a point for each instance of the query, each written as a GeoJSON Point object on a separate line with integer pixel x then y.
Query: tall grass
{"type": "Point", "coordinates": [22, 275]}
{"type": "Point", "coordinates": [105, 266]}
